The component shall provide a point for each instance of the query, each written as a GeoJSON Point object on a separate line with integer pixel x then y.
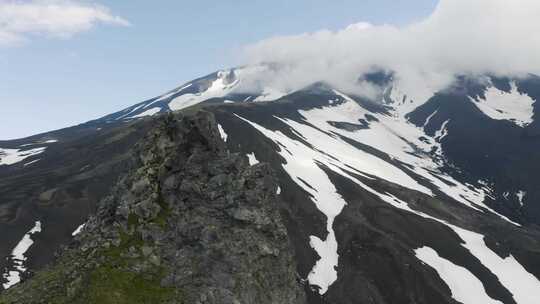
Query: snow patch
{"type": "Point", "coordinates": [403, 142]}
{"type": "Point", "coordinates": [148, 112]}
{"type": "Point", "coordinates": [442, 132]}
{"type": "Point", "coordinates": [406, 100]}
{"type": "Point", "coordinates": [78, 230]}
{"type": "Point", "coordinates": [303, 165]}
{"type": "Point", "coordinates": [465, 287]}
{"type": "Point", "coordinates": [429, 118]}
{"type": "Point", "coordinates": [269, 94]}
{"type": "Point", "coordinates": [168, 95]}
{"type": "Point", "coordinates": [523, 285]}
{"type": "Point", "coordinates": [224, 135]}
{"type": "Point", "coordinates": [218, 88]}
{"type": "Point", "coordinates": [13, 156]}
{"type": "Point", "coordinates": [252, 159]}
{"type": "Point", "coordinates": [18, 257]}
{"type": "Point", "coordinates": [512, 106]}
{"type": "Point", "coordinates": [129, 111]}
{"type": "Point", "coordinates": [521, 195]}
{"type": "Point", "coordinates": [32, 162]}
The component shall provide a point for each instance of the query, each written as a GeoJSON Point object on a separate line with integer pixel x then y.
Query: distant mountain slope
{"type": "Point", "coordinates": [406, 197]}
{"type": "Point", "coordinates": [384, 196]}
{"type": "Point", "coordinates": [234, 85]}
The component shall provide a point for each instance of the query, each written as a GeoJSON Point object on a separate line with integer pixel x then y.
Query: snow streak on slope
{"type": "Point", "coordinates": [78, 230]}
{"type": "Point", "coordinates": [303, 164]}
{"type": "Point", "coordinates": [222, 133]}
{"type": "Point", "coordinates": [521, 195]}
{"type": "Point", "coordinates": [324, 145]}
{"type": "Point", "coordinates": [143, 109]}
{"type": "Point", "coordinates": [18, 256]}
{"type": "Point", "coordinates": [219, 88]}
{"type": "Point", "coordinates": [168, 95]}
{"type": "Point", "coordinates": [227, 86]}
{"type": "Point", "coordinates": [404, 103]}
{"type": "Point", "coordinates": [127, 112]}
{"type": "Point", "coordinates": [148, 112]}
{"type": "Point", "coordinates": [402, 141]}
{"type": "Point", "coordinates": [223, 86]}
{"type": "Point", "coordinates": [49, 141]}
{"type": "Point", "coordinates": [513, 106]}
{"type": "Point", "coordinates": [429, 118]}
{"type": "Point", "coordinates": [442, 132]}
{"type": "Point", "coordinates": [524, 286]}
{"type": "Point", "coordinates": [31, 162]}
{"type": "Point", "coordinates": [13, 156]}
{"type": "Point", "coordinates": [465, 287]}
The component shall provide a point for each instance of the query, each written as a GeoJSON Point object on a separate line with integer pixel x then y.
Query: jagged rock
{"type": "Point", "coordinates": [191, 223]}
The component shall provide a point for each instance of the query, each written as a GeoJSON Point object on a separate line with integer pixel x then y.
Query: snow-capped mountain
{"type": "Point", "coordinates": [406, 197]}
{"type": "Point", "coordinates": [226, 86]}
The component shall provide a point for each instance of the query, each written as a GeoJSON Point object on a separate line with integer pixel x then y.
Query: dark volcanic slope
{"type": "Point", "coordinates": [395, 200]}
{"type": "Point", "coordinates": [500, 152]}
{"type": "Point", "coordinates": [63, 186]}
{"type": "Point", "coordinates": [382, 225]}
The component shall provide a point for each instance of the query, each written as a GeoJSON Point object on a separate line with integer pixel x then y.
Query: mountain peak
{"type": "Point", "coordinates": [189, 223]}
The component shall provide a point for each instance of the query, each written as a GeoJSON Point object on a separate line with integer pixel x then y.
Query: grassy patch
{"type": "Point", "coordinates": [110, 285]}
{"type": "Point", "coordinates": [133, 220]}
{"type": "Point", "coordinates": [164, 212]}
{"type": "Point", "coordinates": [111, 281]}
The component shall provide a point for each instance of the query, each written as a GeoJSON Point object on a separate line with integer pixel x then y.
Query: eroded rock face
{"type": "Point", "coordinates": [191, 223]}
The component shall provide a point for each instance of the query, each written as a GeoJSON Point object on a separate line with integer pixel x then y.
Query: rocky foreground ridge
{"type": "Point", "coordinates": [190, 223]}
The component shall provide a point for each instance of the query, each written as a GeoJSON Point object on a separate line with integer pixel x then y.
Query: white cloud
{"type": "Point", "coordinates": [20, 20]}
{"type": "Point", "coordinates": [460, 36]}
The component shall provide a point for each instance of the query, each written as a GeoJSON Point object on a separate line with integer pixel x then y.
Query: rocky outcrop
{"type": "Point", "coordinates": [191, 223]}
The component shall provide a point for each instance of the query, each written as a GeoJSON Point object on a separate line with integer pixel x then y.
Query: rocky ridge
{"type": "Point", "coordinates": [190, 223]}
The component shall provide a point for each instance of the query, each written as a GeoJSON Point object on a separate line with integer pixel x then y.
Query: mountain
{"type": "Point", "coordinates": [405, 196]}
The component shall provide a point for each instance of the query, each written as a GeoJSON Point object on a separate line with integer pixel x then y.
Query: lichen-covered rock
{"type": "Point", "coordinates": [191, 223]}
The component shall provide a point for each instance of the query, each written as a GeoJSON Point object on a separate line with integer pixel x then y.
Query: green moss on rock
{"type": "Point", "coordinates": [111, 285]}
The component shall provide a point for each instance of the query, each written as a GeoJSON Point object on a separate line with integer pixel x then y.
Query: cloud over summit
{"type": "Point", "coordinates": [459, 37]}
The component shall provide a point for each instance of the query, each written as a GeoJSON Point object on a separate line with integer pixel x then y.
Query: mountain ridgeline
{"type": "Point", "coordinates": [189, 223]}
{"type": "Point", "coordinates": [263, 196]}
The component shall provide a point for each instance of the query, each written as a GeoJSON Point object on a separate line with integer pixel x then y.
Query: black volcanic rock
{"type": "Point", "coordinates": [190, 223]}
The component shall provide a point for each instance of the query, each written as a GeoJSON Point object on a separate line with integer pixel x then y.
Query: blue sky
{"type": "Point", "coordinates": [47, 82]}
